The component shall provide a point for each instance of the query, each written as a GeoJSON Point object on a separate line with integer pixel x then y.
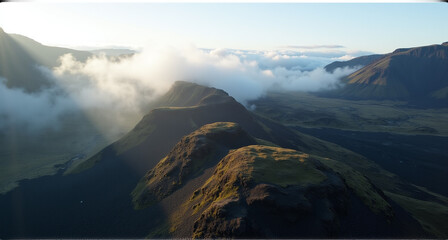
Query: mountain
{"type": "Point", "coordinates": [358, 61]}
{"type": "Point", "coordinates": [190, 156]}
{"type": "Point", "coordinates": [185, 108]}
{"type": "Point", "coordinates": [233, 188]}
{"type": "Point", "coordinates": [418, 75]}
{"type": "Point", "coordinates": [188, 106]}
{"type": "Point", "coordinates": [28, 154]}
{"type": "Point", "coordinates": [20, 58]}
{"type": "Point", "coordinates": [172, 152]}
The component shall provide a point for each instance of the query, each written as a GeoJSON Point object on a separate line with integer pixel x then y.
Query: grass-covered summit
{"type": "Point", "coordinates": [260, 191]}
{"type": "Point", "coordinates": [218, 182]}
{"type": "Point", "coordinates": [189, 158]}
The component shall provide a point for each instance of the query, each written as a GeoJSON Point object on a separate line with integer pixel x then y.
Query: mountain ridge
{"type": "Point", "coordinates": [417, 75]}
{"type": "Point", "coordinates": [183, 120]}
{"type": "Point", "coordinates": [192, 154]}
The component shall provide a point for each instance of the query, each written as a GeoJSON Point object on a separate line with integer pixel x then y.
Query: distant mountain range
{"type": "Point", "coordinates": [418, 75]}
{"type": "Point", "coordinates": [20, 58]}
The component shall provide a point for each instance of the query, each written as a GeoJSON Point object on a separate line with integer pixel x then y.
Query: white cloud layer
{"type": "Point", "coordinates": [115, 91]}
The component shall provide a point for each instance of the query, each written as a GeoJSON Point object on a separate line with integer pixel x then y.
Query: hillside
{"type": "Point", "coordinates": [188, 106]}
{"type": "Point", "coordinates": [20, 58]}
{"type": "Point", "coordinates": [262, 191]}
{"type": "Point", "coordinates": [159, 131]}
{"type": "Point", "coordinates": [417, 75]}
{"type": "Point", "coordinates": [26, 153]}
{"type": "Point", "coordinates": [355, 62]}
{"type": "Point", "coordinates": [192, 155]}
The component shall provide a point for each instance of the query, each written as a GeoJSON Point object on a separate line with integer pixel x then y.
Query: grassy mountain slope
{"type": "Point", "coordinates": [261, 191]}
{"type": "Point", "coordinates": [162, 127]}
{"type": "Point", "coordinates": [411, 74]}
{"type": "Point", "coordinates": [159, 131]}
{"type": "Point", "coordinates": [193, 154]}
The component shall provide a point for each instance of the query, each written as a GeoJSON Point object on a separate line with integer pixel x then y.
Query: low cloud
{"type": "Point", "coordinates": [132, 82]}
{"type": "Point", "coordinates": [31, 112]}
{"type": "Point", "coordinates": [115, 91]}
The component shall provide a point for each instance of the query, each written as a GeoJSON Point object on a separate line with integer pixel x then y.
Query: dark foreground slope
{"type": "Point", "coordinates": [264, 192]}
{"type": "Point", "coordinates": [95, 200]}
{"type": "Point", "coordinates": [419, 75]}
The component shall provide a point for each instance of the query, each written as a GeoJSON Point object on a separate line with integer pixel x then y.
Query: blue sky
{"type": "Point", "coordinates": [378, 28]}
